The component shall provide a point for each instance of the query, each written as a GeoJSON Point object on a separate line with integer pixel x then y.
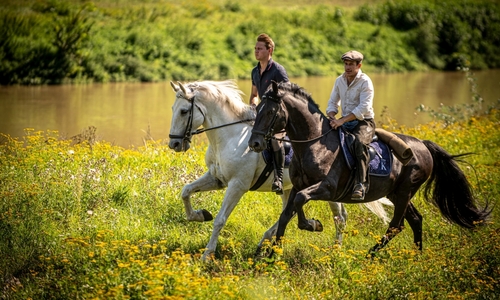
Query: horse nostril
{"type": "Point", "coordinates": [173, 145]}
{"type": "Point", "coordinates": [254, 146]}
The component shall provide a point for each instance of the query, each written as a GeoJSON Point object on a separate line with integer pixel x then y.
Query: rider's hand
{"type": "Point", "coordinates": [334, 123]}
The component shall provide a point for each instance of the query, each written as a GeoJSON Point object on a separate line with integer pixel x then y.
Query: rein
{"type": "Point", "coordinates": [201, 130]}
{"type": "Point", "coordinates": [269, 135]}
{"type": "Point", "coordinates": [188, 133]}
{"type": "Point", "coordinates": [301, 141]}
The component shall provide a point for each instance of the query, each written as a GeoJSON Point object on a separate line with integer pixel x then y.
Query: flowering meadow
{"type": "Point", "coordinates": [89, 220]}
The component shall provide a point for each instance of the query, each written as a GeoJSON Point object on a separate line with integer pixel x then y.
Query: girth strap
{"type": "Point", "coordinates": [263, 177]}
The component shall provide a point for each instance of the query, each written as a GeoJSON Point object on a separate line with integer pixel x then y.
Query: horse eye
{"type": "Point", "coordinates": [184, 111]}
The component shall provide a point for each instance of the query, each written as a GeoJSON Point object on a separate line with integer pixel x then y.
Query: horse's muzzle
{"type": "Point", "coordinates": [257, 144]}
{"type": "Point", "coordinates": [179, 145]}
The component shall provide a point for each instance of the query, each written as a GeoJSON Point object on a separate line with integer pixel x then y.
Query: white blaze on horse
{"type": "Point", "coordinates": [218, 107]}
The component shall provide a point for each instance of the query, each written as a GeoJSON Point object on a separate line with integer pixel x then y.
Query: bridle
{"type": "Point", "coordinates": [270, 131]}
{"type": "Point", "coordinates": [188, 133]}
{"type": "Point", "coordinates": [189, 126]}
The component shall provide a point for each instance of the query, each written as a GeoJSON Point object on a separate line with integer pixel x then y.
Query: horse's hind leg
{"type": "Point", "coordinates": [388, 236]}
{"type": "Point", "coordinates": [414, 218]}
{"type": "Point", "coordinates": [205, 183]}
{"type": "Point", "coordinates": [396, 224]}
{"type": "Point", "coordinates": [339, 218]}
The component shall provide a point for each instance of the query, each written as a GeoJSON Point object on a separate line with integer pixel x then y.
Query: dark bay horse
{"type": "Point", "coordinates": [319, 171]}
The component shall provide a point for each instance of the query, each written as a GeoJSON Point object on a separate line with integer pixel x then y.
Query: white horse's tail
{"type": "Point", "coordinates": [377, 207]}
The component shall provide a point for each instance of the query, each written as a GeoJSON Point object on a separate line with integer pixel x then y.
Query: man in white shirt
{"type": "Point", "coordinates": [353, 90]}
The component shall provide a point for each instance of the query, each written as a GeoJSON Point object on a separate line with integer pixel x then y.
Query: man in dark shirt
{"type": "Point", "coordinates": [265, 71]}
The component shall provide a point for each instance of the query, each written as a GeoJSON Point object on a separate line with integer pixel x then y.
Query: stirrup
{"type": "Point", "coordinates": [358, 193]}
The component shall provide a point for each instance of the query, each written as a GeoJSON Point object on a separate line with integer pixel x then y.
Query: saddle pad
{"type": "Point", "coordinates": [268, 156]}
{"type": "Point", "coordinates": [380, 165]}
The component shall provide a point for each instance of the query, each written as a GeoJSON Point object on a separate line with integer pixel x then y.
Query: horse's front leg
{"type": "Point", "coordinates": [286, 216]}
{"type": "Point", "coordinates": [313, 192]}
{"type": "Point", "coordinates": [234, 192]}
{"type": "Point", "coordinates": [271, 232]}
{"type": "Point", "coordinates": [339, 218]}
{"type": "Point", "coordinates": [207, 182]}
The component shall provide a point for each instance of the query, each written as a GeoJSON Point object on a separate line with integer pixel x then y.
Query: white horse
{"type": "Point", "coordinates": [218, 107]}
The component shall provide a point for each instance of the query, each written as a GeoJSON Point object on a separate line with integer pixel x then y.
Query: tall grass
{"type": "Point", "coordinates": [84, 219]}
{"type": "Point", "coordinates": [54, 41]}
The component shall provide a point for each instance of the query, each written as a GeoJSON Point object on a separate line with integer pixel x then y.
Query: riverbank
{"type": "Point", "coordinates": [54, 42]}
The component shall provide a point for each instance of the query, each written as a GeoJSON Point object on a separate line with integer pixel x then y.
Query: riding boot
{"type": "Point", "coordinates": [360, 186]}
{"type": "Point", "coordinates": [279, 164]}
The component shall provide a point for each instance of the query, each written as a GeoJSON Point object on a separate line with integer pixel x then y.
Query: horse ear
{"type": "Point", "coordinates": [275, 86]}
{"type": "Point", "coordinates": [174, 87]}
{"type": "Point", "coordinates": [183, 88]}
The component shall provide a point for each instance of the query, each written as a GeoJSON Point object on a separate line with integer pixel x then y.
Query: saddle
{"type": "Point", "coordinates": [380, 161]}
{"type": "Point", "coordinates": [267, 154]}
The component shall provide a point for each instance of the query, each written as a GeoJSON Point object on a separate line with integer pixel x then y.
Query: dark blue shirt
{"type": "Point", "coordinates": [274, 71]}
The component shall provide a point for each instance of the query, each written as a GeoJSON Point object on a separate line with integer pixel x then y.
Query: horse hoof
{"type": "Point", "coordinates": [257, 252]}
{"type": "Point", "coordinates": [207, 216]}
{"type": "Point", "coordinates": [262, 253]}
{"type": "Point", "coordinates": [208, 257]}
{"type": "Point", "coordinates": [316, 225]}
{"type": "Point", "coordinates": [372, 253]}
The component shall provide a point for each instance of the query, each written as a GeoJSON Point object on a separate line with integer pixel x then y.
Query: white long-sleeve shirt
{"type": "Point", "coordinates": [356, 98]}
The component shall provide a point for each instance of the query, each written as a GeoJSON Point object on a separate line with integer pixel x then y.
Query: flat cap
{"type": "Point", "coordinates": [352, 55]}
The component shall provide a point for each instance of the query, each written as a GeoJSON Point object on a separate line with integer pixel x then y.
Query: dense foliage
{"type": "Point", "coordinates": [56, 41]}
{"type": "Point", "coordinates": [443, 33]}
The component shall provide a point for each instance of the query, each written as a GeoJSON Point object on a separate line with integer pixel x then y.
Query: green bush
{"type": "Point", "coordinates": [442, 32]}
{"type": "Point", "coordinates": [50, 41]}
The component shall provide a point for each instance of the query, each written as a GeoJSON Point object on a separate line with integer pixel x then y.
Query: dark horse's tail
{"type": "Point", "coordinates": [450, 191]}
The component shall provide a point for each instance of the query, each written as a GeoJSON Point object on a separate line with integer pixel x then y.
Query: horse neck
{"type": "Point", "coordinates": [305, 121]}
{"type": "Point", "coordinates": [215, 115]}
{"type": "Point", "coordinates": [219, 116]}
{"type": "Point", "coordinates": [311, 124]}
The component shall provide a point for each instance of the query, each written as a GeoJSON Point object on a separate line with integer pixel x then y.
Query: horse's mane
{"type": "Point", "coordinates": [227, 94]}
{"type": "Point", "coordinates": [297, 91]}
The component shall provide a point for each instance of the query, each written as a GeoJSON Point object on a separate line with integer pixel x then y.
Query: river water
{"type": "Point", "coordinates": [125, 113]}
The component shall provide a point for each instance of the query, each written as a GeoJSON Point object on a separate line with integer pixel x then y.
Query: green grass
{"type": "Point", "coordinates": [100, 221]}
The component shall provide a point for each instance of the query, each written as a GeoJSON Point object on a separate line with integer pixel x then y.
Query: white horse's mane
{"type": "Point", "coordinates": [226, 93]}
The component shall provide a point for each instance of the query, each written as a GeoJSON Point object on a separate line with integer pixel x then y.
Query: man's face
{"type": "Point", "coordinates": [351, 67]}
{"type": "Point", "coordinates": [261, 52]}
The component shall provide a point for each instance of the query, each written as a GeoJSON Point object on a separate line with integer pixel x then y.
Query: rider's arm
{"type": "Point", "coordinates": [334, 101]}
{"type": "Point", "coordinates": [254, 99]}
